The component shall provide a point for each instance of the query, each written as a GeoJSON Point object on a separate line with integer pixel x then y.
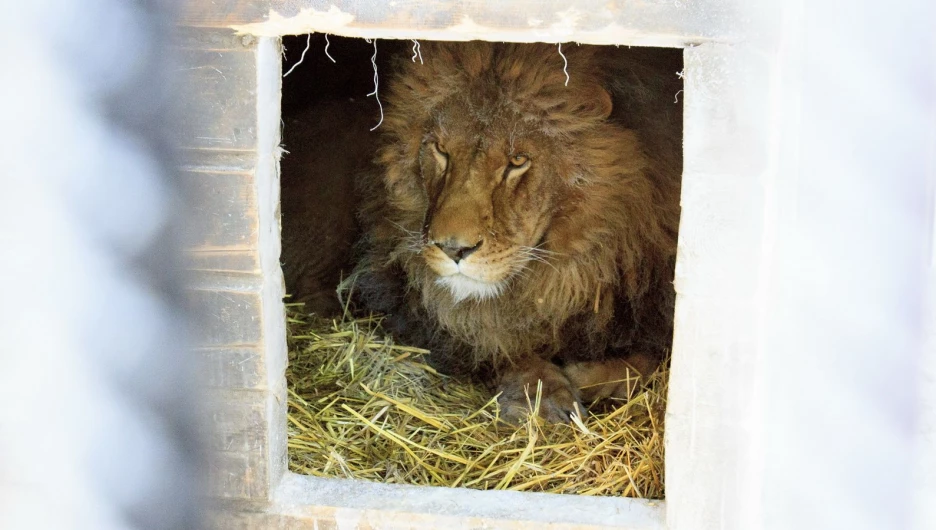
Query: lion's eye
{"type": "Point", "coordinates": [518, 165]}
{"type": "Point", "coordinates": [441, 157]}
{"type": "Point", "coordinates": [519, 160]}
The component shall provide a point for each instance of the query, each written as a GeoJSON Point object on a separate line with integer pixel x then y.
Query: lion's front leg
{"type": "Point", "coordinates": [618, 378]}
{"type": "Point", "coordinates": [518, 385]}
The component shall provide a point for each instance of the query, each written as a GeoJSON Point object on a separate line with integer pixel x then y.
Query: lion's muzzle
{"type": "Point", "coordinates": [455, 250]}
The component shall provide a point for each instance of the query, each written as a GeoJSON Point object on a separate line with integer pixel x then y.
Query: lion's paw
{"type": "Point", "coordinates": [518, 387]}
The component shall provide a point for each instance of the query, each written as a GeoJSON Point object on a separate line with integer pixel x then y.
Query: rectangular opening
{"type": "Point", "coordinates": [363, 406]}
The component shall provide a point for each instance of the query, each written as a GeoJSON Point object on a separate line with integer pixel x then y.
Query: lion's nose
{"type": "Point", "coordinates": [456, 250]}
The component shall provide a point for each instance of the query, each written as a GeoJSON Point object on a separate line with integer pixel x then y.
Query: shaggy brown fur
{"type": "Point", "coordinates": [515, 222]}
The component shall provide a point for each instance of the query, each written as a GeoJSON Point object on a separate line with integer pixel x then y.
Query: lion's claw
{"type": "Point", "coordinates": [559, 400]}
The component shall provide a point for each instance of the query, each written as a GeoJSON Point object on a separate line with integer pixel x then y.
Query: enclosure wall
{"type": "Point", "coordinates": [230, 152]}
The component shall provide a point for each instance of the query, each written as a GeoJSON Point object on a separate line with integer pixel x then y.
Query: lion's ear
{"type": "Point", "coordinates": [593, 102]}
{"type": "Point", "coordinates": [603, 103]}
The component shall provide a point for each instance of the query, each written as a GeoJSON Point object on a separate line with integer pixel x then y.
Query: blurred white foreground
{"type": "Point", "coordinates": [95, 423]}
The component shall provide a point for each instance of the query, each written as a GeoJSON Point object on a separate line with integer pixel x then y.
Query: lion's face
{"type": "Point", "coordinates": [493, 161]}
{"type": "Point", "coordinates": [491, 182]}
{"type": "Point", "coordinates": [486, 148]}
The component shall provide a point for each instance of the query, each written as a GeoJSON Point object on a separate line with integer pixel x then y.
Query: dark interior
{"type": "Point", "coordinates": [327, 117]}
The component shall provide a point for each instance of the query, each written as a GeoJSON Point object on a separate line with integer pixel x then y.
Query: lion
{"type": "Point", "coordinates": [522, 224]}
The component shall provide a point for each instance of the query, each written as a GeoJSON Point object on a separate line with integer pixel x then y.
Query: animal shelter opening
{"type": "Point", "coordinates": [478, 247]}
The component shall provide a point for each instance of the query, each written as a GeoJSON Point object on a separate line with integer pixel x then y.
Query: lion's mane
{"type": "Point", "coordinates": [607, 287]}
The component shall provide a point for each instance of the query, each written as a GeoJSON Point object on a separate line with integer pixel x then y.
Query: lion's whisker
{"type": "Point", "coordinates": [407, 231]}
{"type": "Point", "coordinates": [539, 249]}
{"type": "Point", "coordinates": [413, 240]}
{"type": "Point", "coordinates": [413, 244]}
{"type": "Point", "coordinates": [524, 273]}
{"type": "Point", "coordinates": [536, 254]}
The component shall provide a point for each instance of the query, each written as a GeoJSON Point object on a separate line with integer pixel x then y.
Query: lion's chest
{"type": "Point", "coordinates": [498, 328]}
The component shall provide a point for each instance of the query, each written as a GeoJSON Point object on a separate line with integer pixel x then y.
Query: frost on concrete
{"type": "Point", "coordinates": [649, 23]}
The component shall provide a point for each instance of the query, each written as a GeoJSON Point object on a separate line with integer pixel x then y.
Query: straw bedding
{"type": "Point", "coordinates": [363, 407]}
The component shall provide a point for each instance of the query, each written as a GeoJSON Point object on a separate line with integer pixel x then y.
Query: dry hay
{"type": "Point", "coordinates": [363, 407]}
